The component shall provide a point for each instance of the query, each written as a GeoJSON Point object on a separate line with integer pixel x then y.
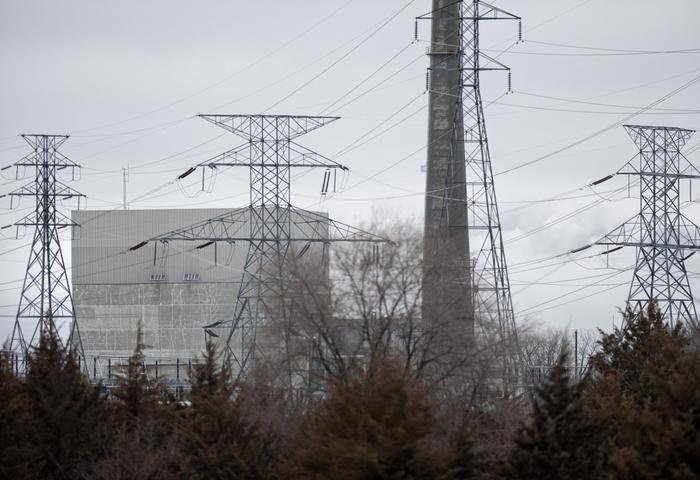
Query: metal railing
{"type": "Point", "coordinates": [105, 370]}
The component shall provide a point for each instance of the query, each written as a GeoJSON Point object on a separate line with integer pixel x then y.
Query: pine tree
{"type": "Point", "coordinates": [139, 395]}
{"type": "Point", "coordinates": [378, 425]}
{"type": "Point", "coordinates": [647, 394]}
{"type": "Point", "coordinates": [16, 450]}
{"type": "Point", "coordinates": [559, 442]}
{"type": "Point", "coordinates": [140, 438]}
{"type": "Point", "coordinates": [65, 411]}
{"type": "Point", "coordinates": [462, 462]}
{"type": "Point", "coordinates": [220, 436]}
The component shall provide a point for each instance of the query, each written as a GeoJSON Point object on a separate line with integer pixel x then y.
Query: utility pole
{"type": "Point", "coordinates": [461, 208]}
{"type": "Point", "coordinates": [46, 301]}
{"type": "Point", "coordinates": [663, 236]}
{"type": "Point", "coordinates": [125, 178]}
{"type": "Point", "coordinates": [576, 352]}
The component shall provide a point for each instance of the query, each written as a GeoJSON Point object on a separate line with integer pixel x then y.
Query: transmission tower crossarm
{"type": "Point", "coordinates": [299, 157]}
{"type": "Point", "coordinates": [31, 139]}
{"type": "Point", "coordinates": [234, 226]}
{"type": "Point", "coordinates": [230, 226]}
{"type": "Point", "coordinates": [252, 127]}
{"type": "Point", "coordinates": [59, 220]}
{"type": "Point", "coordinates": [630, 234]}
{"type": "Point", "coordinates": [311, 224]}
{"type": "Point", "coordinates": [308, 158]}
{"type": "Point", "coordinates": [490, 12]}
{"type": "Point", "coordinates": [498, 66]}
{"type": "Point", "coordinates": [59, 190]}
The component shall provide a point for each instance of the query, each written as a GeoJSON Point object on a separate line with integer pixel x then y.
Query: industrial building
{"type": "Point", "coordinates": [172, 291]}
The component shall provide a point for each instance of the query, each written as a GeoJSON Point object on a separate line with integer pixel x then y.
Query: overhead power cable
{"type": "Point", "coordinates": [532, 310]}
{"type": "Point", "coordinates": [343, 57]}
{"type": "Point", "coordinates": [228, 77]}
{"type": "Point", "coordinates": [598, 104]}
{"type": "Point", "coordinates": [593, 112]}
{"type": "Point", "coordinates": [613, 50]}
{"type": "Point", "coordinates": [600, 132]}
{"type": "Point", "coordinates": [358, 142]}
{"type": "Point", "coordinates": [606, 54]}
{"type": "Point", "coordinates": [366, 79]}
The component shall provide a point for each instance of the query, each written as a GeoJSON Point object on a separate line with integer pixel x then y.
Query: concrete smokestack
{"type": "Point", "coordinates": [447, 296]}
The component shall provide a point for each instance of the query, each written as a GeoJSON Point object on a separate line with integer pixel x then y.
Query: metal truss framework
{"type": "Point", "coordinates": [46, 299]}
{"type": "Point", "coordinates": [270, 223]}
{"type": "Point", "coordinates": [489, 272]}
{"type": "Point", "coordinates": [663, 236]}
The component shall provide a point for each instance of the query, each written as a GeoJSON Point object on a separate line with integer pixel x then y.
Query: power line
{"type": "Point", "coordinates": [614, 50]}
{"type": "Point", "coordinates": [343, 57]}
{"type": "Point", "coordinates": [593, 112]}
{"type": "Point", "coordinates": [357, 143]}
{"type": "Point", "coordinates": [562, 218]}
{"type": "Point", "coordinates": [585, 102]}
{"type": "Point", "coordinates": [620, 54]}
{"type": "Point", "coordinates": [376, 86]}
{"type": "Point", "coordinates": [605, 289]}
{"type": "Point", "coordinates": [367, 78]}
{"type": "Point", "coordinates": [559, 297]}
{"type": "Point", "coordinates": [232, 75]}
{"type": "Point", "coordinates": [600, 132]}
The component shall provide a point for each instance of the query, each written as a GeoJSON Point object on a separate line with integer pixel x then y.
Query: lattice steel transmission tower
{"type": "Point", "coordinates": [270, 224]}
{"type": "Point", "coordinates": [46, 301]}
{"type": "Point", "coordinates": [461, 171]}
{"type": "Point", "coordinates": [662, 235]}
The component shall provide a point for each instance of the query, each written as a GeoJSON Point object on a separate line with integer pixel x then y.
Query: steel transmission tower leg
{"type": "Point", "coordinates": [46, 302]}
{"type": "Point", "coordinates": [262, 283]}
{"type": "Point", "coordinates": [663, 236]}
{"type": "Point", "coordinates": [493, 302]}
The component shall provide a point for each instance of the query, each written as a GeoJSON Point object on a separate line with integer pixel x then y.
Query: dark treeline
{"type": "Point", "coordinates": [636, 415]}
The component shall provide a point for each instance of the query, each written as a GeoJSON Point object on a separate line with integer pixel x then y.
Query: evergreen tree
{"type": "Point", "coordinates": [462, 462]}
{"type": "Point", "coordinates": [220, 436]}
{"type": "Point", "coordinates": [65, 411]}
{"type": "Point", "coordinates": [138, 394]}
{"type": "Point", "coordinates": [559, 442]}
{"type": "Point", "coordinates": [378, 425]}
{"type": "Point", "coordinates": [647, 393]}
{"type": "Point", "coordinates": [140, 437]}
{"type": "Point", "coordinates": [16, 451]}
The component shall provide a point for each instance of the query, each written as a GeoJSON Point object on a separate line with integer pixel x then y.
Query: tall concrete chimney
{"type": "Point", "coordinates": [447, 295]}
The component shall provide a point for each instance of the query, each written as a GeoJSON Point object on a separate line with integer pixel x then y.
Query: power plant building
{"type": "Point", "coordinates": [172, 290]}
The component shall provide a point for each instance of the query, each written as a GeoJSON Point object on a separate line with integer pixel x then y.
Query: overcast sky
{"type": "Point", "coordinates": [125, 80]}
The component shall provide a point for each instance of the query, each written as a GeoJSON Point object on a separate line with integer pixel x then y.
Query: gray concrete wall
{"type": "Point", "coordinates": [113, 290]}
{"type": "Point", "coordinates": [101, 243]}
{"type": "Point", "coordinates": [171, 315]}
